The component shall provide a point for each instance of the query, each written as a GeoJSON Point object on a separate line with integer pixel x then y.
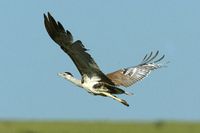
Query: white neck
{"type": "Point", "coordinates": [74, 81]}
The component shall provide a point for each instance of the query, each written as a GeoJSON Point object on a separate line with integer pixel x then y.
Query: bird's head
{"type": "Point", "coordinates": [66, 75]}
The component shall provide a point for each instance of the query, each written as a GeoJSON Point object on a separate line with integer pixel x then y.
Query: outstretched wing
{"type": "Point", "coordinates": [76, 50]}
{"type": "Point", "coordinates": [129, 76]}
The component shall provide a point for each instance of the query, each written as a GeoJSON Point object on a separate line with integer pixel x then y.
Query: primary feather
{"type": "Point", "coordinates": [129, 76]}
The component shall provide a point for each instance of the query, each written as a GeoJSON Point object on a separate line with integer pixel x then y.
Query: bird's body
{"type": "Point", "coordinates": [93, 79]}
{"type": "Point", "coordinates": [88, 84]}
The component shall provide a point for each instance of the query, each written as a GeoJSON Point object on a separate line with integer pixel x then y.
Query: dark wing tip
{"type": "Point", "coordinates": [68, 32]}
{"type": "Point", "coordinates": [61, 26]}
{"type": "Point", "coordinates": [56, 30]}
{"type": "Point", "coordinates": [149, 58]}
{"type": "Point", "coordinates": [49, 14]}
{"type": "Point", "coordinates": [45, 17]}
{"type": "Point", "coordinates": [160, 59]}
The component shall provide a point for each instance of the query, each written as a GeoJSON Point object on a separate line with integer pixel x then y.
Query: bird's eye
{"type": "Point", "coordinates": [68, 73]}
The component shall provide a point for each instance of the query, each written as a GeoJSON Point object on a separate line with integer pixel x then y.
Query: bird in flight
{"type": "Point", "coordinates": [93, 80]}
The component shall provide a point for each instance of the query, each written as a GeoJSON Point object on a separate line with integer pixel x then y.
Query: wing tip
{"type": "Point", "coordinates": [150, 58]}
{"type": "Point", "coordinates": [47, 16]}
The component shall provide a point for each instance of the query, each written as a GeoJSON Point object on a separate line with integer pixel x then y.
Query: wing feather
{"type": "Point", "coordinates": [129, 76]}
{"type": "Point", "coordinates": [76, 50]}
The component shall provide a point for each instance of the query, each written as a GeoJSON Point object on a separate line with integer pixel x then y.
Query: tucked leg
{"type": "Point", "coordinates": [116, 98]}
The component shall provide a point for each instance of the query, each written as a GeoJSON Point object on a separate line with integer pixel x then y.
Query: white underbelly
{"type": "Point", "coordinates": [89, 87]}
{"type": "Point", "coordinates": [89, 83]}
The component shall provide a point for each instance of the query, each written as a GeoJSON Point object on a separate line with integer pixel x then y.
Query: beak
{"type": "Point", "coordinates": [59, 74]}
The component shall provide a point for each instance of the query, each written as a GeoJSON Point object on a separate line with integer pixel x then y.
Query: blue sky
{"type": "Point", "coordinates": [118, 34]}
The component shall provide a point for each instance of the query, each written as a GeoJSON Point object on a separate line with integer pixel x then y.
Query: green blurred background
{"type": "Point", "coordinates": [99, 127]}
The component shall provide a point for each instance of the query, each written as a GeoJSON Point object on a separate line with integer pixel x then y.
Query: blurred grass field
{"type": "Point", "coordinates": [97, 127]}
